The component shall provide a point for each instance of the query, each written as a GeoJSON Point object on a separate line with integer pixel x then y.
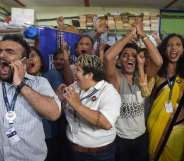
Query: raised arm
{"type": "Point", "coordinates": [155, 57]}
{"type": "Point", "coordinates": [141, 65]}
{"type": "Point", "coordinates": [110, 58]}
{"type": "Point", "coordinates": [44, 105]}
{"type": "Point", "coordinates": [67, 72]}
{"type": "Point", "coordinates": [146, 85]}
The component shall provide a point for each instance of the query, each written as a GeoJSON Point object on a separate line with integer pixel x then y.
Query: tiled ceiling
{"type": "Point", "coordinates": [179, 4]}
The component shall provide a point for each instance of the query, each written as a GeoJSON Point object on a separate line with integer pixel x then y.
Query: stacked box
{"type": "Point", "coordinates": [146, 22]}
{"type": "Point", "coordinates": [89, 20]}
{"type": "Point", "coordinates": [126, 24]}
{"type": "Point", "coordinates": [111, 23]}
{"type": "Point", "coordinates": [83, 22]}
{"type": "Point", "coordinates": [154, 23]}
{"type": "Point", "coordinates": [119, 23]}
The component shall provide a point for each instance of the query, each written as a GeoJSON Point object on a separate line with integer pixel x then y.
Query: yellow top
{"type": "Point", "coordinates": [158, 121]}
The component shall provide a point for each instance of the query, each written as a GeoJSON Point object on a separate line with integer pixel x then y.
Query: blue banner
{"type": "Point", "coordinates": [50, 40]}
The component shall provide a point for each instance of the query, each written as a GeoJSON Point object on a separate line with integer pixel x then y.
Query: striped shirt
{"type": "Point", "coordinates": [28, 124]}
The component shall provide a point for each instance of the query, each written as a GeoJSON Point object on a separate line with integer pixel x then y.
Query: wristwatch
{"type": "Point", "coordinates": [21, 85]}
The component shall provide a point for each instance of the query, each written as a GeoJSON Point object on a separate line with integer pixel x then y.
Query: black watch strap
{"type": "Point", "coordinates": [21, 85]}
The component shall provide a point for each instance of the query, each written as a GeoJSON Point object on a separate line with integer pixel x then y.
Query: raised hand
{"type": "Point", "coordinates": [102, 51]}
{"type": "Point", "coordinates": [64, 47]}
{"type": "Point", "coordinates": [100, 25]}
{"type": "Point", "coordinates": [60, 91]}
{"type": "Point", "coordinates": [19, 71]}
{"type": "Point", "coordinates": [132, 35]}
{"type": "Point", "coordinates": [60, 22]}
{"type": "Point", "coordinates": [72, 97]}
{"type": "Point", "coordinates": [140, 28]}
{"type": "Point", "coordinates": [141, 59]}
{"type": "Point", "coordinates": [156, 37]}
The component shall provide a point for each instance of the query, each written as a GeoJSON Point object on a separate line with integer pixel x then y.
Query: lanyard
{"type": "Point", "coordinates": [171, 85]}
{"type": "Point", "coordinates": [9, 107]}
{"type": "Point", "coordinates": [89, 95]}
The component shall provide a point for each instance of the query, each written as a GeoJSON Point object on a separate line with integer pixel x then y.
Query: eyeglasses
{"type": "Point", "coordinates": [9, 51]}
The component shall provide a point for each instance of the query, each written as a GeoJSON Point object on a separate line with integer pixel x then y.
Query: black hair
{"type": "Point", "coordinates": [129, 45]}
{"type": "Point", "coordinates": [57, 52]}
{"type": "Point", "coordinates": [85, 36]}
{"type": "Point", "coordinates": [43, 66]}
{"type": "Point", "coordinates": [142, 50]}
{"type": "Point", "coordinates": [92, 64]}
{"type": "Point", "coordinates": [162, 49]}
{"type": "Point", "coordinates": [98, 75]}
{"type": "Point", "coordinates": [20, 40]}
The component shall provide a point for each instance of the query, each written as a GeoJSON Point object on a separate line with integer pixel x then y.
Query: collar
{"type": "Point", "coordinates": [99, 85]}
{"type": "Point", "coordinates": [29, 77]}
{"type": "Point", "coordinates": [92, 90]}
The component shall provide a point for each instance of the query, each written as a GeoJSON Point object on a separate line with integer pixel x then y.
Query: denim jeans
{"type": "Point", "coordinates": [106, 155]}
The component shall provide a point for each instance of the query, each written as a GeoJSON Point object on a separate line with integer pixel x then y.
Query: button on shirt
{"type": "Point", "coordinates": [107, 101]}
{"type": "Point", "coordinates": [28, 124]}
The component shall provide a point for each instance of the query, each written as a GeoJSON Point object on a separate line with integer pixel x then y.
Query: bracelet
{"type": "Point", "coordinates": [21, 85]}
{"type": "Point", "coordinates": [144, 38]}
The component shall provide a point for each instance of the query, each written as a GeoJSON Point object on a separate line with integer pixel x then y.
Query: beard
{"type": "Point", "coordinates": [8, 78]}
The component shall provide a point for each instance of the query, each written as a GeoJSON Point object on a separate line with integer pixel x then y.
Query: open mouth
{"type": "Point", "coordinates": [173, 54]}
{"type": "Point", "coordinates": [130, 64]}
{"type": "Point", "coordinates": [4, 67]}
{"type": "Point", "coordinates": [31, 65]}
{"type": "Point", "coordinates": [83, 51]}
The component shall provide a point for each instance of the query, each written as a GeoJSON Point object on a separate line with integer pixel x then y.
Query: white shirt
{"type": "Point", "coordinates": [108, 102]}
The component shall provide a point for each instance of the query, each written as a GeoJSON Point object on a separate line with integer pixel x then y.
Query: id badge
{"type": "Point", "coordinates": [169, 107]}
{"type": "Point", "coordinates": [12, 136]}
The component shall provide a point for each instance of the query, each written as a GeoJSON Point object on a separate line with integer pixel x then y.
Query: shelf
{"type": "Point", "coordinates": [10, 31]}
